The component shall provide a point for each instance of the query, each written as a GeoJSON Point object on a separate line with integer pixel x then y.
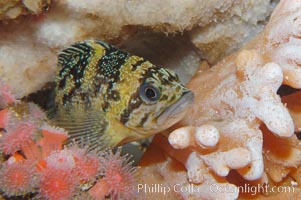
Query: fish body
{"type": "Point", "coordinates": [110, 97]}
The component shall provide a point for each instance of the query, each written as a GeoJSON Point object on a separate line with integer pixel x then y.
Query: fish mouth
{"type": "Point", "coordinates": [176, 111]}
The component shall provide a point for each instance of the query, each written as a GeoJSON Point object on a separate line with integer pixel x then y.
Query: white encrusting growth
{"type": "Point", "coordinates": [236, 104]}
{"type": "Point", "coordinates": [222, 162]}
{"type": "Point", "coordinates": [206, 136]}
{"type": "Point", "coordinates": [180, 138]}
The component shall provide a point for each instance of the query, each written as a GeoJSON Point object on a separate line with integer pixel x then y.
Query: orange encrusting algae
{"type": "Point", "coordinates": [100, 189]}
{"type": "Point", "coordinates": [53, 139]}
{"type": "Point", "coordinates": [4, 118]}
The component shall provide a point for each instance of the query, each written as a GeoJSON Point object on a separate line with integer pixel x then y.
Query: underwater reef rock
{"type": "Point", "coordinates": [31, 44]}
{"type": "Point", "coordinates": [11, 9]}
{"type": "Point", "coordinates": [26, 67]}
{"type": "Point", "coordinates": [239, 134]}
{"type": "Point", "coordinates": [230, 27]}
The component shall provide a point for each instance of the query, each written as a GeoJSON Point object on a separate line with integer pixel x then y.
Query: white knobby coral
{"type": "Point", "coordinates": [238, 97]}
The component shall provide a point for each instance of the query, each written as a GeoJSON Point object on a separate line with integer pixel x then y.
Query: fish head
{"type": "Point", "coordinates": [163, 101]}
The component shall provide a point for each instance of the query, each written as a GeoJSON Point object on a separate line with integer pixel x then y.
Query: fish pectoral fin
{"type": "Point", "coordinates": [85, 127]}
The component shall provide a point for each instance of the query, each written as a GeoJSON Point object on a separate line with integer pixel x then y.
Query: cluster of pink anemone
{"type": "Point", "coordinates": [35, 162]}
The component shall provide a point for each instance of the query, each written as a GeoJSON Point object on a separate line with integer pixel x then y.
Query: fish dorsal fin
{"type": "Point", "coordinates": [84, 125]}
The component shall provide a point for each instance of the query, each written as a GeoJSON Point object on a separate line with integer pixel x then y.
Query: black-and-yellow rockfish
{"type": "Point", "coordinates": [109, 97]}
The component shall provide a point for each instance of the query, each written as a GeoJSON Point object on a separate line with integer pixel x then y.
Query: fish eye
{"type": "Point", "coordinates": [149, 93]}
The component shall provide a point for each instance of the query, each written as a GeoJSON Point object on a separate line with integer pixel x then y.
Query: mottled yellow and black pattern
{"type": "Point", "coordinates": [109, 97]}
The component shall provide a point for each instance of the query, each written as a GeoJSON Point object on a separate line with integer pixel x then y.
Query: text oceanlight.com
{"type": "Point", "coordinates": [214, 188]}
